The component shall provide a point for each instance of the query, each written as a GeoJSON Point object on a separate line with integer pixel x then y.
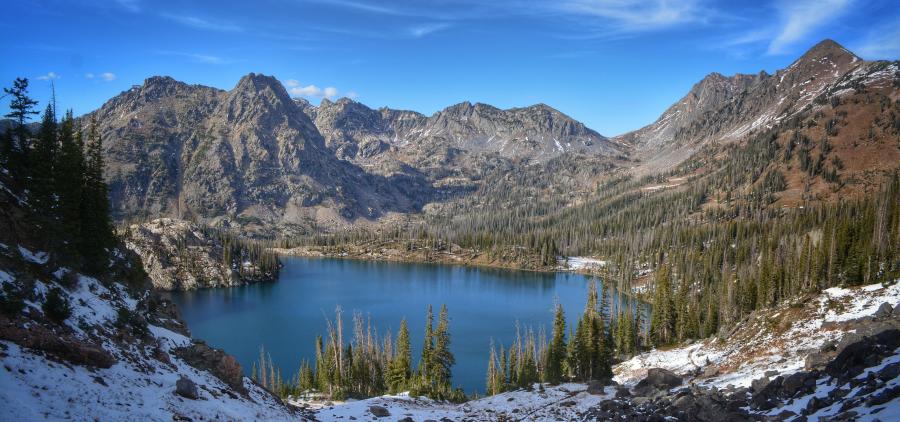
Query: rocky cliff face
{"type": "Point", "coordinates": [179, 255]}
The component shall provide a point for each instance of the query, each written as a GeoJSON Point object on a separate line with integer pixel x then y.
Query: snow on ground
{"type": "Point", "coordinates": [563, 402]}
{"type": "Point", "coordinates": [140, 385]}
{"type": "Point", "coordinates": [581, 263]}
{"type": "Point", "coordinates": [763, 344]}
{"type": "Point", "coordinates": [34, 257]}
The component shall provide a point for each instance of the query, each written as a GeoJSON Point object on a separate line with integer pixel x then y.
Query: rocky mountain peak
{"type": "Point", "coordinates": [828, 49]}
{"type": "Point", "coordinates": [257, 95]}
{"type": "Point", "coordinates": [157, 87]}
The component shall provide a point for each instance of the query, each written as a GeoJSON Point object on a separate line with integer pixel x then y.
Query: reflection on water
{"type": "Point", "coordinates": [286, 316]}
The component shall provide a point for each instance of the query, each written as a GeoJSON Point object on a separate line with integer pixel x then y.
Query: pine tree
{"type": "Point", "coordinates": [556, 353]}
{"type": "Point", "coordinates": [427, 348]}
{"type": "Point", "coordinates": [662, 320]}
{"type": "Point", "coordinates": [442, 357]}
{"type": "Point", "coordinates": [14, 148]}
{"type": "Point", "coordinates": [97, 233]}
{"type": "Point", "coordinates": [70, 183]}
{"type": "Point", "coordinates": [401, 366]}
{"type": "Point", "coordinates": [41, 185]}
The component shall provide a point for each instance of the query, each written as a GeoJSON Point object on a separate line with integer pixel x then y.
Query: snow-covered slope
{"type": "Point", "coordinates": [94, 366]}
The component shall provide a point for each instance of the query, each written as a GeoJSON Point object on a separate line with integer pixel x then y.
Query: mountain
{"type": "Point", "coordinates": [258, 158]}
{"type": "Point", "coordinates": [538, 132]}
{"type": "Point", "coordinates": [247, 155]}
{"type": "Point", "coordinates": [727, 109]}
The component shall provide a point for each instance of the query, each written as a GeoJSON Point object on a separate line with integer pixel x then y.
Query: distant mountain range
{"type": "Point", "coordinates": [255, 157]}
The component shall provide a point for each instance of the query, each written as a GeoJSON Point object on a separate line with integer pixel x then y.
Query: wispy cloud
{"type": "Point", "coordinates": [638, 15]}
{"type": "Point", "coordinates": [360, 6]}
{"type": "Point", "coordinates": [132, 6]}
{"type": "Point", "coordinates": [798, 18]}
{"type": "Point", "coordinates": [419, 31]}
{"type": "Point", "coordinates": [202, 23]}
{"type": "Point", "coordinates": [197, 58]}
{"type": "Point", "coordinates": [882, 42]}
{"type": "Point", "coordinates": [48, 77]}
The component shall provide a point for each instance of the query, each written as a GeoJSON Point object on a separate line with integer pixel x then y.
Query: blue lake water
{"type": "Point", "coordinates": [287, 315]}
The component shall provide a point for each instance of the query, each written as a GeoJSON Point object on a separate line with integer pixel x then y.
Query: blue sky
{"type": "Point", "coordinates": [613, 64]}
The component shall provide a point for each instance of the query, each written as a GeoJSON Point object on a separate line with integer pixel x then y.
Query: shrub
{"type": "Point", "coordinates": [56, 306]}
{"type": "Point", "coordinates": [11, 303]}
{"type": "Point", "coordinates": [126, 319]}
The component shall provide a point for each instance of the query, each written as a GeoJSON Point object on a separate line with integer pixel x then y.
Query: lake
{"type": "Point", "coordinates": [287, 315]}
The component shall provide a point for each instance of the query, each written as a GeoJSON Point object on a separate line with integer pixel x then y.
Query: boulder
{"type": "Point", "coordinates": [884, 310]}
{"type": "Point", "coordinates": [816, 361]}
{"type": "Point", "coordinates": [658, 379]}
{"type": "Point", "coordinates": [856, 352]}
{"type": "Point", "coordinates": [379, 411]}
{"type": "Point", "coordinates": [794, 383]}
{"type": "Point", "coordinates": [186, 388]}
{"type": "Point", "coordinates": [595, 388]}
{"type": "Point", "coordinates": [710, 371]}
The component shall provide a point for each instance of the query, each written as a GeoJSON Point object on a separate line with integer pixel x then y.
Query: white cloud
{"type": "Point", "coordinates": [306, 91]}
{"type": "Point", "coordinates": [202, 23]}
{"type": "Point", "coordinates": [351, 95]}
{"type": "Point", "coordinates": [89, 75]}
{"type": "Point", "coordinates": [419, 31]}
{"type": "Point", "coordinates": [800, 17]}
{"type": "Point", "coordinates": [108, 76]}
{"type": "Point", "coordinates": [298, 90]}
{"type": "Point", "coordinates": [48, 77]}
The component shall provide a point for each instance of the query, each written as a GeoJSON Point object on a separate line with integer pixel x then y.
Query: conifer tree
{"type": "Point", "coordinates": [442, 358]}
{"type": "Point", "coordinates": [427, 348]}
{"type": "Point", "coordinates": [97, 233]}
{"type": "Point", "coordinates": [662, 320]}
{"type": "Point", "coordinates": [401, 366]}
{"type": "Point", "coordinates": [556, 353]}
{"type": "Point", "coordinates": [70, 185]}
{"type": "Point", "coordinates": [14, 148]}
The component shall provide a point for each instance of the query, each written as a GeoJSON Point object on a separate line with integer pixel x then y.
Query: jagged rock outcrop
{"type": "Point", "coordinates": [179, 255]}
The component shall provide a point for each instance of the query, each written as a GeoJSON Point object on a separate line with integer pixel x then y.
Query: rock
{"type": "Point", "coordinates": [658, 379]}
{"type": "Point", "coordinates": [622, 392]}
{"type": "Point", "coordinates": [896, 310]}
{"type": "Point", "coordinates": [771, 374]}
{"type": "Point", "coordinates": [181, 255]}
{"type": "Point", "coordinates": [379, 411]}
{"type": "Point", "coordinates": [186, 388]}
{"type": "Point", "coordinates": [710, 371]}
{"type": "Point", "coordinates": [595, 388]}
{"type": "Point", "coordinates": [884, 310]}
{"type": "Point", "coordinates": [889, 372]}
{"type": "Point", "coordinates": [684, 402]}
{"type": "Point", "coordinates": [794, 383]}
{"type": "Point", "coordinates": [222, 365]}
{"type": "Point", "coordinates": [816, 361]}
{"type": "Point", "coordinates": [856, 352]}
{"type": "Point", "coordinates": [406, 419]}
